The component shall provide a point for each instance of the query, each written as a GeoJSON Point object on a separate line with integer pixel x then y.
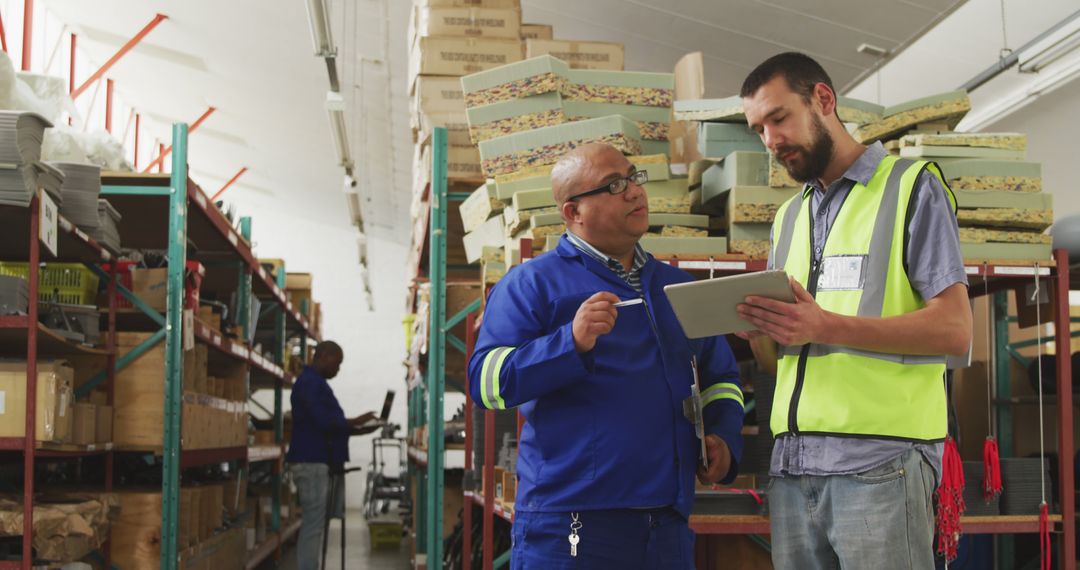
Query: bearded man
{"type": "Point", "coordinates": [872, 248]}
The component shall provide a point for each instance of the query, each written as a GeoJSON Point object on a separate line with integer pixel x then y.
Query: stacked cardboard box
{"type": "Point", "coordinates": [449, 39]}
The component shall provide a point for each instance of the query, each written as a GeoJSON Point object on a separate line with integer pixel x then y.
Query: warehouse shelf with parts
{"type": "Point", "coordinates": [167, 212]}
{"type": "Point", "coordinates": [24, 336]}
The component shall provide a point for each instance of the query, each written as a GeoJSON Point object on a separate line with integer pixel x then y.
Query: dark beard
{"type": "Point", "coordinates": [815, 159]}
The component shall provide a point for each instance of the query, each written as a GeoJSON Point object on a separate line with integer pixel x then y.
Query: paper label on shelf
{"type": "Point", "coordinates": [1020, 271]}
{"type": "Point", "coordinates": [971, 270]}
{"type": "Point", "coordinates": [48, 230]}
{"type": "Point", "coordinates": [201, 199]}
{"type": "Point", "coordinates": [63, 403]}
{"type": "Point", "coordinates": [3, 402]}
{"type": "Point", "coordinates": [233, 239]}
{"type": "Point", "coordinates": [189, 330]}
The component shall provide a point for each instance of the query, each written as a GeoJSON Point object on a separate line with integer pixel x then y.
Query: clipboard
{"type": "Point", "coordinates": [707, 308]}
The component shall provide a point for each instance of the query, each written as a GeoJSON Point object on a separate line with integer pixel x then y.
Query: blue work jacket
{"type": "Point", "coordinates": [604, 429]}
{"type": "Point", "coordinates": [320, 432]}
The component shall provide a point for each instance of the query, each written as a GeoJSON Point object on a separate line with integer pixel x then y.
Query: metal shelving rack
{"type": "Point", "coordinates": [18, 333]}
{"type": "Point", "coordinates": [1001, 276]}
{"type": "Point", "coordinates": [426, 401]}
{"type": "Point", "coordinates": [149, 199]}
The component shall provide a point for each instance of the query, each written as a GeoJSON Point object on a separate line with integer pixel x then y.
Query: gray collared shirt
{"type": "Point", "coordinates": [632, 277]}
{"type": "Point", "coordinates": [934, 263]}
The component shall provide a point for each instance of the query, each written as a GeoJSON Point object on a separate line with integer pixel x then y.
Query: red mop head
{"type": "Point", "coordinates": [991, 484]}
{"type": "Point", "coordinates": [1044, 537]}
{"type": "Point", "coordinates": [950, 501]}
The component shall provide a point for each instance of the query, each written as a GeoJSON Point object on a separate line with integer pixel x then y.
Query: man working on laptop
{"type": "Point", "coordinates": [584, 340]}
{"type": "Point", "coordinates": [320, 447]}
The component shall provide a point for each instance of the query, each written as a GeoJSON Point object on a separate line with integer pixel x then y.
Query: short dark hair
{"type": "Point", "coordinates": [328, 347]}
{"type": "Point", "coordinates": [799, 70]}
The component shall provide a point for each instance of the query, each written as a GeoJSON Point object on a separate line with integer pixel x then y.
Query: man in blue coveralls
{"type": "Point", "coordinates": [607, 457]}
{"type": "Point", "coordinates": [320, 447]}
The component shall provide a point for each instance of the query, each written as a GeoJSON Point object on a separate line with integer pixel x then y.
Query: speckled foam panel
{"type": "Point", "coordinates": [753, 248]}
{"type": "Point", "coordinates": [1008, 141]}
{"type": "Point", "coordinates": [670, 205]}
{"type": "Point", "coordinates": [946, 107]}
{"type": "Point", "coordinates": [647, 96]}
{"type": "Point", "coordinates": [984, 235]}
{"type": "Point", "coordinates": [516, 89]}
{"type": "Point", "coordinates": [545, 146]}
{"type": "Point", "coordinates": [779, 176]}
{"type": "Point", "coordinates": [516, 124]}
{"type": "Point", "coordinates": [1011, 183]}
{"type": "Point", "coordinates": [754, 213]}
{"type": "Point", "coordinates": [1006, 218]}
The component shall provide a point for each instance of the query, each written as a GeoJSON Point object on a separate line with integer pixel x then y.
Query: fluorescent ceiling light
{"type": "Point", "coordinates": [1054, 46]}
{"type": "Point", "coordinates": [320, 29]}
{"type": "Point", "coordinates": [335, 108]}
{"type": "Point", "coordinates": [1060, 73]}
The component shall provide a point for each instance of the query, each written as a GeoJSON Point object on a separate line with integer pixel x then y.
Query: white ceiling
{"type": "Point", "coordinates": [254, 62]}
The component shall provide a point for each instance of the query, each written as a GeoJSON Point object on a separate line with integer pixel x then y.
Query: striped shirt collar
{"type": "Point", "coordinates": [640, 257]}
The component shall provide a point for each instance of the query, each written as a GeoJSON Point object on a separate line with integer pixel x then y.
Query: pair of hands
{"type": "Point", "coordinates": [359, 423]}
{"type": "Point", "coordinates": [595, 318]}
{"type": "Point", "coordinates": [789, 324]}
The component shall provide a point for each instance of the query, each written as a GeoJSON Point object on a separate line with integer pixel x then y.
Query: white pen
{"type": "Point", "coordinates": [629, 302]}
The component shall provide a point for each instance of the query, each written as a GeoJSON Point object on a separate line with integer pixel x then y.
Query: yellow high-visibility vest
{"type": "Point", "coordinates": [838, 390]}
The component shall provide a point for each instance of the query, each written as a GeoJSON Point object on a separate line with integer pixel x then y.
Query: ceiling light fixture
{"type": "Point", "coordinates": [1055, 45]}
{"type": "Point", "coordinates": [319, 19]}
{"type": "Point", "coordinates": [335, 108]}
{"type": "Point", "coordinates": [1062, 72]}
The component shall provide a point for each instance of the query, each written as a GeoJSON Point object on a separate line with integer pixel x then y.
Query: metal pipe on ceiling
{"type": "Point", "coordinates": [1007, 62]}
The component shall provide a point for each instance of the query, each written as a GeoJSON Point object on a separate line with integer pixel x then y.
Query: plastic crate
{"type": "Point", "coordinates": [384, 533]}
{"type": "Point", "coordinates": [74, 283]}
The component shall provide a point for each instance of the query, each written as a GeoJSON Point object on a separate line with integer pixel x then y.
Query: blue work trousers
{"type": "Point", "coordinates": [628, 539]}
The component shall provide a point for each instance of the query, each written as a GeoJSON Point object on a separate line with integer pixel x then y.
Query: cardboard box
{"type": "Point", "coordinates": [53, 412]}
{"type": "Point", "coordinates": [84, 423]}
{"type": "Point", "coordinates": [298, 281]}
{"type": "Point", "coordinates": [437, 94]}
{"type": "Point", "coordinates": [460, 56]}
{"type": "Point", "coordinates": [456, 125]}
{"type": "Point", "coordinates": [151, 285]}
{"type": "Point", "coordinates": [537, 32]}
{"type": "Point", "coordinates": [471, 22]}
{"type": "Point", "coordinates": [103, 426]}
{"type": "Point", "coordinates": [579, 55]}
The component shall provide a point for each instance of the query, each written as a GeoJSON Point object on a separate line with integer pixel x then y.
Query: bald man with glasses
{"type": "Point", "coordinates": [582, 339]}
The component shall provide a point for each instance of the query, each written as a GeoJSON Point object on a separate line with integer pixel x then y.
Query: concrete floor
{"type": "Point", "coordinates": [358, 552]}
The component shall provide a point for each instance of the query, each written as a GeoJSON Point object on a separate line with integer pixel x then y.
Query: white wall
{"type": "Point", "coordinates": [373, 341]}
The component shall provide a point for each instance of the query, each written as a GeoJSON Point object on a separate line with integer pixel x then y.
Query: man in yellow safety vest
{"type": "Point", "coordinates": [859, 414]}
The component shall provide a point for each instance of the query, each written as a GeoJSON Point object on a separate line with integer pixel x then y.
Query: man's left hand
{"type": "Point", "coordinates": [719, 461]}
{"type": "Point", "coordinates": [790, 324]}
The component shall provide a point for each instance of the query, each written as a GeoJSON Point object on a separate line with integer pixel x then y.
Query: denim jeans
{"type": "Point", "coordinates": [626, 539]}
{"type": "Point", "coordinates": [881, 519]}
{"type": "Point", "coordinates": [313, 483]}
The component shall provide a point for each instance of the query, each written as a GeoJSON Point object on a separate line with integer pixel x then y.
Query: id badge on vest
{"type": "Point", "coordinates": [842, 273]}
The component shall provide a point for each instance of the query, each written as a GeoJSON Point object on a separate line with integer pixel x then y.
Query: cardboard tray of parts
{"type": "Point", "coordinates": [66, 527]}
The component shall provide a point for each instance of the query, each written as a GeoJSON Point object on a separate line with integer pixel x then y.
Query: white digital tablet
{"type": "Point", "coordinates": [707, 308]}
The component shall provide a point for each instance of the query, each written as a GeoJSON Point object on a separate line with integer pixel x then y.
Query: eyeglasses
{"type": "Point", "coordinates": [617, 186]}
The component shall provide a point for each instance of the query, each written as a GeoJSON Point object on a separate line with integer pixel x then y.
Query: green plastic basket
{"type": "Point", "coordinates": [74, 283]}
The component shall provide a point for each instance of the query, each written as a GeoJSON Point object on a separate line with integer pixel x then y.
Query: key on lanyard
{"type": "Point", "coordinates": [574, 538]}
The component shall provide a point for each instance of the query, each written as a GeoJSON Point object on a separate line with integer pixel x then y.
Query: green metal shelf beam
{"type": "Point", "coordinates": [174, 349]}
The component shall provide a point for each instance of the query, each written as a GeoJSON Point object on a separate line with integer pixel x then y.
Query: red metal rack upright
{"type": "Point", "coordinates": [23, 227]}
